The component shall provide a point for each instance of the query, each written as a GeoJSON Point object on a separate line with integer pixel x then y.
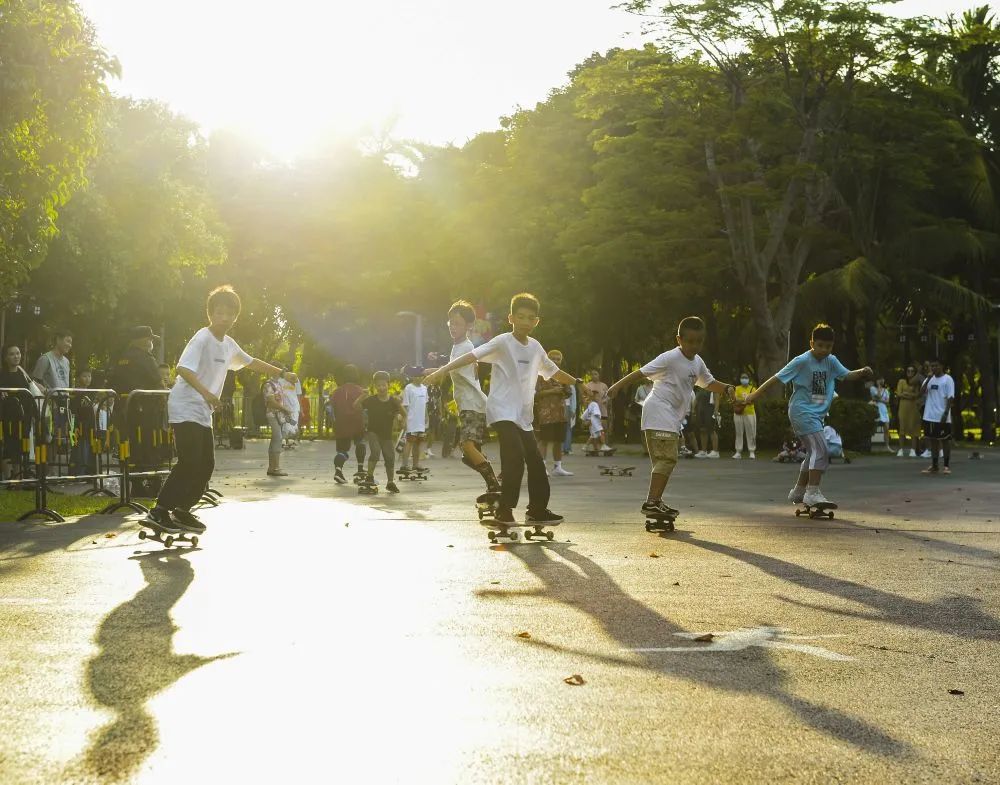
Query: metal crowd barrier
{"type": "Point", "coordinates": [145, 445]}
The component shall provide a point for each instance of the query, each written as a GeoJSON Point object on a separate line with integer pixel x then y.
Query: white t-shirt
{"type": "Point", "coordinates": [592, 416]}
{"type": "Point", "coordinates": [290, 392]}
{"type": "Point", "coordinates": [674, 377]}
{"type": "Point", "coordinates": [516, 368]}
{"type": "Point", "coordinates": [939, 390]}
{"type": "Point", "coordinates": [469, 396]}
{"type": "Point", "coordinates": [415, 402]}
{"type": "Point", "coordinates": [209, 359]}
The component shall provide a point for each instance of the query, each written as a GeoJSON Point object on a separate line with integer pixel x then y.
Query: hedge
{"type": "Point", "coordinates": [854, 421]}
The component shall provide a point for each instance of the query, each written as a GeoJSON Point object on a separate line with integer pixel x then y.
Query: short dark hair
{"type": "Point", "coordinates": [525, 300]}
{"type": "Point", "coordinates": [464, 309]}
{"type": "Point", "coordinates": [348, 374]}
{"type": "Point", "coordinates": [380, 376]}
{"type": "Point", "coordinates": [694, 324]}
{"type": "Point", "coordinates": [823, 332]}
{"type": "Point", "coordinates": [61, 333]}
{"type": "Point", "coordinates": [223, 295]}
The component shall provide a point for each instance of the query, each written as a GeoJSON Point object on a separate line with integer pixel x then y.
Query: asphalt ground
{"type": "Point", "coordinates": [320, 636]}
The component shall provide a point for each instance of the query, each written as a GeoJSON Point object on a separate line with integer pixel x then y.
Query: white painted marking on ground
{"type": "Point", "coordinates": [747, 637]}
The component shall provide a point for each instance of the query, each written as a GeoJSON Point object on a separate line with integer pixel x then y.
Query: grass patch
{"type": "Point", "coordinates": [13, 504]}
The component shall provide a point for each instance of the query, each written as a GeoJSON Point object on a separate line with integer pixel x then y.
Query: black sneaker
{"type": "Point", "coordinates": [188, 520]}
{"type": "Point", "coordinates": [504, 515]}
{"type": "Point", "coordinates": [544, 516]}
{"type": "Point", "coordinates": [158, 519]}
{"type": "Point", "coordinates": [658, 508]}
{"type": "Point", "coordinates": [392, 487]}
{"type": "Point", "coordinates": [338, 476]}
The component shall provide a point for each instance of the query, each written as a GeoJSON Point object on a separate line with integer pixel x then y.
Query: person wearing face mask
{"type": "Point", "coordinates": [745, 424]}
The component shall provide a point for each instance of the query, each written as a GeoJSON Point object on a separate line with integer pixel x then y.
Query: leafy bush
{"type": "Point", "coordinates": [855, 422]}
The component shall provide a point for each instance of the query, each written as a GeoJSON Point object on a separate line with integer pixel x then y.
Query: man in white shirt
{"type": "Point", "coordinates": [518, 360]}
{"type": "Point", "coordinates": [939, 388]}
{"type": "Point", "coordinates": [674, 375]}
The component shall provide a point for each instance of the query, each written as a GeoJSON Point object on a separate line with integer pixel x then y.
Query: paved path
{"type": "Point", "coordinates": [319, 636]}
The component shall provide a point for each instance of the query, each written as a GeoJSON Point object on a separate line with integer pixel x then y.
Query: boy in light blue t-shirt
{"type": "Point", "coordinates": [813, 375]}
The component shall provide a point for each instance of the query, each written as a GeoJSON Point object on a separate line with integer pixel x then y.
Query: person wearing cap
{"type": "Point", "coordinates": [137, 369]}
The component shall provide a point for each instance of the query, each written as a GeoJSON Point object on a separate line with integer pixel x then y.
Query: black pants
{"type": "Point", "coordinates": [519, 449]}
{"type": "Point", "coordinates": [195, 463]}
{"type": "Point", "coordinates": [344, 444]}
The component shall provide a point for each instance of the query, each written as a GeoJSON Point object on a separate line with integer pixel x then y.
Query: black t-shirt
{"type": "Point", "coordinates": [15, 407]}
{"type": "Point", "coordinates": [381, 415]}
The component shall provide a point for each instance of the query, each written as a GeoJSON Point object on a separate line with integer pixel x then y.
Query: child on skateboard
{"type": "Point", "coordinates": [813, 375]}
{"type": "Point", "coordinates": [382, 410]}
{"type": "Point", "coordinates": [518, 360]}
{"type": "Point", "coordinates": [201, 373]}
{"type": "Point", "coordinates": [415, 406]}
{"type": "Point", "coordinates": [469, 396]}
{"type": "Point", "coordinates": [674, 375]}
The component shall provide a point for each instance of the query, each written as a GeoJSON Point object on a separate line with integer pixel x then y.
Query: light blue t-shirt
{"type": "Point", "coordinates": [812, 393]}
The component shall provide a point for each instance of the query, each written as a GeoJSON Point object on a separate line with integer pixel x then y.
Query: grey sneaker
{"type": "Point", "coordinates": [797, 494]}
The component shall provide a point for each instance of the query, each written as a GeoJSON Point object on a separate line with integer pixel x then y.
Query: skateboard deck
{"type": "Point", "coordinates": [600, 454]}
{"type": "Point", "coordinates": [412, 474]}
{"type": "Point", "coordinates": [486, 507]}
{"type": "Point", "coordinates": [659, 523]}
{"type": "Point", "coordinates": [167, 540]}
{"type": "Point", "coordinates": [823, 509]}
{"type": "Point", "coordinates": [367, 487]}
{"type": "Point", "coordinates": [358, 478]}
{"type": "Point", "coordinates": [617, 471]}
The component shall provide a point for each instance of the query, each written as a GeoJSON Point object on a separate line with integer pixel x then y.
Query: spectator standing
{"type": "Point", "coordinates": [879, 396]}
{"type": "Point", "coordinates": [597, 391]}
{"type": "Point", "coordinates": [15, 413]}
{"type": "Point", "coordinates": [745, 424]}
{"type": "Point", "coordinates": [550, 413]}
{"type": "Point", "coordinates": [908, 395]}
{"type": "Point", "coordinates": [571, 407]}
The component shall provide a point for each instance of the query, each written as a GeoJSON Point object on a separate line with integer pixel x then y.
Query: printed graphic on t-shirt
{"type": "Point", "coordinates": [819, 386]}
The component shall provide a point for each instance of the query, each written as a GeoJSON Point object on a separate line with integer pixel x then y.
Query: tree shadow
{"type": "Point", "coordinates": [957, 615]}
{"type": "Point", "coordinates": [26, 540]}
{"type": "Point", "coordinates": [632, 624]}
{"type": "Point", "coordinates": [136, 662]}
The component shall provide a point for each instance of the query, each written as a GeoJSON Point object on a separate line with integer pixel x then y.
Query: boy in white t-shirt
{"type": "Point", "coordinates": [592, 418]}
{"type": "Point", "coordinates": [939, 388]}
{"type": "Point", "coordinates": [674, 375]}
{"type": "Point", "coordinates": [518, 360]}
{"type": "Point", "coordinates": [201, 373]}
{"type": "Point", "coordinates": [469, 396]}
{"type": "Point", "coordinates": [415, 406]}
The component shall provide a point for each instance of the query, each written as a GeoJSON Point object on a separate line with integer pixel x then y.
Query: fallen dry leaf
{"type": "Point", "coordinates": [576, 680]}
{"type": "Point", "coordinates": [677, 583]}
{"type": "Point", "coordinates": [705, 638]}
{"type": "Point", "coordinates": [109, 535]}
{"type": "Point", "coordinates": [654, 556]}
{"type": "Point", "coordinates": [956, 692]}
{"type": "Point", "coordinates": [524, 635]}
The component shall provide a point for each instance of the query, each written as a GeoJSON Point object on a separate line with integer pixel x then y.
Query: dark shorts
{"type": "Point", "coordinates": [416, 436]}
{"type": "Point", "coordinates": [937, 430]}
{"type": "Point", "coordinates": [344, 442]}
{"type": "Point", "coordinates": [472, 426]}
{"type": "Point", "coordinates": [552, 432]}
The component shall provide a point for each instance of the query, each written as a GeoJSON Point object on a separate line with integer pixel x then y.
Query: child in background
{"type": "Point", "coordinates": [591, 417]}
{"type": "Point", "coordinates": [791, 450]}
{"type": "Point", "coordinates": [415, 406]}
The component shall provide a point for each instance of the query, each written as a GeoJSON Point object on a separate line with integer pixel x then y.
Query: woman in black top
{"type": "Point", "coordinates": [15, 411]}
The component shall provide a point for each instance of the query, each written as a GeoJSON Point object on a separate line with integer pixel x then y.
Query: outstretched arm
{"type": "Point", "coordinates": [860, 373]}
{"type": "Point", "coordinates": [624, 382]}
{"type": "Point", "coordinates": [774, 381]}
{"type": "Point", "coordinates": [435, 376]}
{"type": "Point", "coordinates": [723, 389]}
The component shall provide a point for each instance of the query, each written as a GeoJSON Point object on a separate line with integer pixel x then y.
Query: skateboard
{"type": "Point", "coordinates": [412, 474]}
{"type": "Point", "coordinates": [486, 507]}
{"type": "Point", "coordinates": [600, 454]}
{"type": "Point", "coordinates": [359, 477]}
{"type": "Point", "coordinates": [823, 509]}
{"type": "Point", "coordinates": [617, 471]}
{"type": "Point", "coordinates": [655, 522]}
{"type": "Point", "coordinates": [167, 539]}
{"type": "Point", "coordinates": [367, 486]}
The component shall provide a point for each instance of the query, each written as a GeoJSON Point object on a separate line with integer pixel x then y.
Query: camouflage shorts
{"type": "Point", "coordinates": [472, 426]}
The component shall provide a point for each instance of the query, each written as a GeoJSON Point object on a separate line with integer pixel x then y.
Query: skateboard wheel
{"type": "Point", "coordinates": [194, 542]}
{"type": "Point", "coordinates": [513, 536]}
{"type": "Point", "coordinates": [549, 536]}
{"type": "Point", "coordinates": [169, 541]}
{"type": "Point", "coordinates": [649, 527]}
{"type": "Point", "coordinates": [142, 534]}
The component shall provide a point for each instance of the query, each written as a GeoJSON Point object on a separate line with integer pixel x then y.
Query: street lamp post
{"type": "Point", "coordinates": [418, 335]}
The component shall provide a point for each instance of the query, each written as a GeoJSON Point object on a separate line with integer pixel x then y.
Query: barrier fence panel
{"type": "Point", "coordinates": [19, 423]}
{"type": "Point", "coordinates": [145, 446]}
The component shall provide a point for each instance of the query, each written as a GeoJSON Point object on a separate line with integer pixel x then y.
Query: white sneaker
{"type": "Point", "coordinates": [559, 471]}
{"type": "Point", "coordinates": [913, 453]}
{"type": "Point", "coordinates": [737, 456]}
{"type": "Point", "coordinates": [815, 497]}
{"type": "Point", "coordinates": [429, 454]}
{"type": "Point", "coordinates": [605, 448]}
{"type": "Point", "coordinates": [713, 454]}
{"type": "Point", "coordinates": [925, 454]}
{"type": "Point", "coordinates": [701, 454]}
{"type": "Point", "coordinates": [753, 456]}
{"type": "Point", "coordinates": [796, 495]}
{"type": "Point", "coordinates": [901, 453]}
